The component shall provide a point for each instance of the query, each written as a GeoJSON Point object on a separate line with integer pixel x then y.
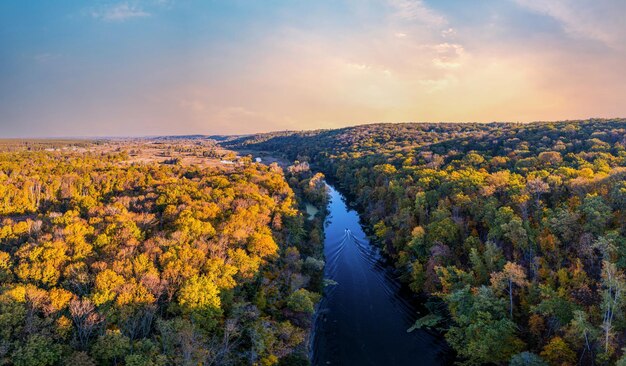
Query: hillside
{"type": "Point", "coordinates": [516, 232]}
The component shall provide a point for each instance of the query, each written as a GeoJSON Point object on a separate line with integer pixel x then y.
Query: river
{"type": "Point", "coordinates": [364, 317]}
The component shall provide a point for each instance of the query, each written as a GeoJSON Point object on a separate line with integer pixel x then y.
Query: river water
{"type": "Point", "coordinates": [363, 318]}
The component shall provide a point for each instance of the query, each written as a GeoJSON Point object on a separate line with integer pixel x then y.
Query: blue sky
{"type": "Point", "coordinates": [152, 67]}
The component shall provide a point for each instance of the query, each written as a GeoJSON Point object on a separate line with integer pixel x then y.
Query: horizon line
{"type": "Point", "coordinates": [209, 135]}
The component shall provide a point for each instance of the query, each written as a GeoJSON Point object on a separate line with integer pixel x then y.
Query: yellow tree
{"type": "Point", "coordinates": [512, 274]}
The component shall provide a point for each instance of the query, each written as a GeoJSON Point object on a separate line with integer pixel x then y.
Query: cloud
{"type": "Point", "coordinates": [448, 33]}
{"type": "Point", "coordinates": [601, 21]}
{"type": "Point", "coordinates": [416, 10]}
{"type": "Point", "coordinates": [448, 55]}
{"type": "Point", "coordinates": [119, 13]}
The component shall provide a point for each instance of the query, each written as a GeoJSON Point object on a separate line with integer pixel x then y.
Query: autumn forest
{"type": "Point", "coordinates": [516, 233]}
{"type": "Point", "coordinates": [104, 261]}
{"type": "Point", "coordinates": [208, 250]}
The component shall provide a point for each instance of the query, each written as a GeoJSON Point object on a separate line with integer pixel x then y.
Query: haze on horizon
{"type": "Point", "coordinates": [154, 67]}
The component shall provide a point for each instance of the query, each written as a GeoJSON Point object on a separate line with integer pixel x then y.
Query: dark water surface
{"type": "Point", "coordinates": [362, 320]}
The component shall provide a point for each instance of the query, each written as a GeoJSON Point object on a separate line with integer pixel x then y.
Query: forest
{"type": "Point", "coordinates": [516, 233]}
{"type": "Point", "coordinates": [114, 254]}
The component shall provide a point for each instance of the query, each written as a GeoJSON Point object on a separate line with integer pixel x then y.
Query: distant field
{"type": "Point", "coordinates": [194, 150]}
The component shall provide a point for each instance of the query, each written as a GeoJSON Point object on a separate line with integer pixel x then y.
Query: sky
{"type": "Point", "coordinates": [165, 67]}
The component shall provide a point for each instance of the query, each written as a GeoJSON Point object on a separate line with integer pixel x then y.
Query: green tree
{"type": "Point", "coordinates": [302, 300]}
{"type": "Point", "coordinates": [37, 351]}
{"type": "Point", "coordinates": [111, 348]}
{"type": "Point", "coordinates": [481, 326]}
{"type": "Point", "coordinates": [596, 213]}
